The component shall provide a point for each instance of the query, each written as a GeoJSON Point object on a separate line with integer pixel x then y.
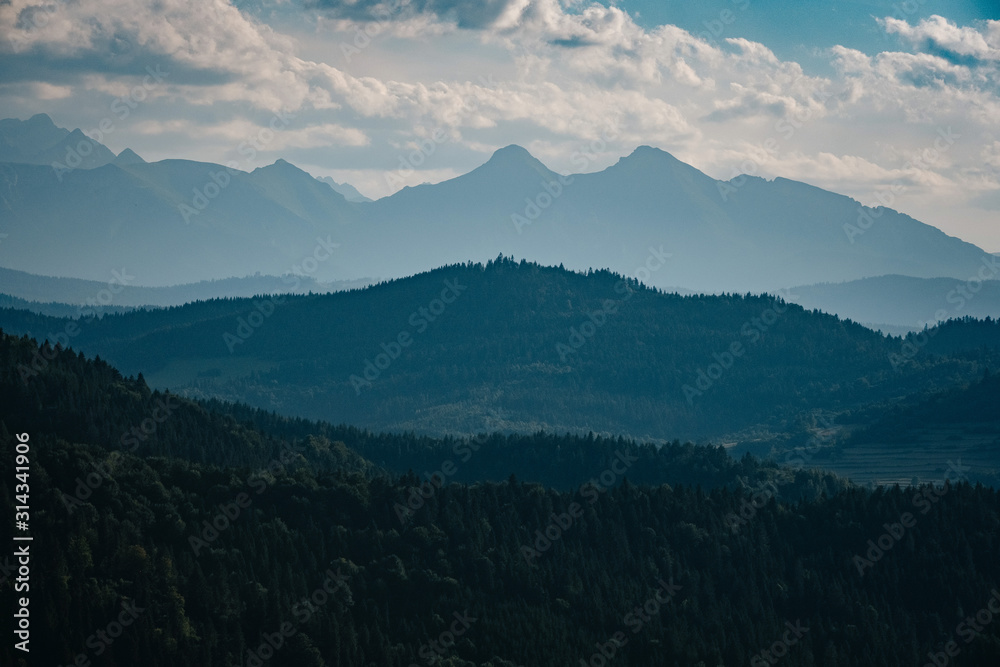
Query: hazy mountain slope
{"type": "Point", "coordinates": [902, 301]}
{"type": "Point", "coordinates": [525, 346]}
{"type": "Point", "coordinates": [180, 221]}
{"type": "Point", "coordinates": [127, 157]}
{"type": "Point", "coordinates": [650, 199]}
{"type": "Point", "coordinates": [57, 309]}
{"type": "Point", "coordinates": [751, 234]}
{"type": "Point", "coordinates": [467, 217]}
{"type": "Point", "coordinates": [97, 220]}
{"type": "Point", "coordinates": [72, 292]}
{"type": "Point", "coordinates": [38, 141]}
{"type": "Point", "coordinates": [171, 222]}
{"type": "Point", "coordinates": [513, 204]}
{"type": "Point", "coordinates": [800, 228]}
{"type": "Point", "coordinates": [300, 193]}
{"type": "Point", "coordinates": [349, 192]}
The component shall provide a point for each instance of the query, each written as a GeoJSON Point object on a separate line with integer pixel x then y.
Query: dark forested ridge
{"type": "Point", "coordinates": [337, 562]}
{"type": "Point", "coordinates": [514, 346]}
{"type": "Point", "coordinates": [130, 417]}
{"type": "Point", "coordinates": [917, 439]}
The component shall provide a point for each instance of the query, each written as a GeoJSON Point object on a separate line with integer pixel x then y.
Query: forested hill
{"type": "Point", "coordinates": [220, 544]}
{"type": "Point", "coordinates": [74, 398]}
{"type": "Point", "coordinates": [516, 347]}
{"type": "Point", "coordinates": [976, 406]}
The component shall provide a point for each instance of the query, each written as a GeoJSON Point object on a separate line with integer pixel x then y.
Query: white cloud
{"type": "Point", "coordinates": [937, 34]}
{"type": "Point", "coordinates": [47, 91]}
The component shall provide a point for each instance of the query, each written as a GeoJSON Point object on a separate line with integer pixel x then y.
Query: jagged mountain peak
{"type": "Point", "coordinates": [127, 157]}
{"type": "Point", "coordinates": [512, 158]}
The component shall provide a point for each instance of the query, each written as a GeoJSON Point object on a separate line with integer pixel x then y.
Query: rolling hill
{"type": "Point", "coordinates": [926, 439]}
{"type": "Point", "coordinates": [515, 346]}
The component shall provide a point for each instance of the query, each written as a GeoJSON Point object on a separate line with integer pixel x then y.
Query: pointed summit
{"type": "Point", "coordinates": [281, 169]}
{"type": "Point", "coordinates": [41, 120]}
{"type": "Point", "coordinates": [512, 161]}
{"type": "Point", "coordinates": [649, 160]}
{"type": "Point", "coordinates": [650, 155]}
{"type": "Point", "coordinates": [511, 153]}
{"type": "Point", "coordinates": [127, 157]}
{"type": "Point", "coordinates": [284, 172]}
{"type": "Point", "coordinates": [281, 164]}
{"type": "Point", "coordinates": [298, 191]}
{"type": "Point", "coordinates": [514, 156]}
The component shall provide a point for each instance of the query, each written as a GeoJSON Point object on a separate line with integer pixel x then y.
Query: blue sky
{"type": "Point", "coordinates": [796, 30]}
{"type": "Point", "coordinates": [848, 96]}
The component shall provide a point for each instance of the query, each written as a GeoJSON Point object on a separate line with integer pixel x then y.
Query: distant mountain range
{"type": "Point", "coordinates": [897, 304]}
{"type": "Point", "coordinates": [349, 192]}
{"type": "Point", "coordinates": [38, 141]}
{"type": "Point", "coordinates": [649, 216]}
{"type": "Point", "coordinates": [47, 295]}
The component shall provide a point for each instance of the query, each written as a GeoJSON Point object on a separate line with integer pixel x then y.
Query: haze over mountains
{"type": "Point", "coordinates": [38, 141]}
{"type": "Point", "coordinates": [41, 293]}
{"type": "Point", "coordinates": [897, 304]}
{"type": "Point", "coordinates": [349, 192]}
{"type": "Point", "coordinates": [178, 221]}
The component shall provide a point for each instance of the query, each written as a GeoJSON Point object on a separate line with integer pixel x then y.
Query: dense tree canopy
{"type": "Point", "coordinates": [341, 562]}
